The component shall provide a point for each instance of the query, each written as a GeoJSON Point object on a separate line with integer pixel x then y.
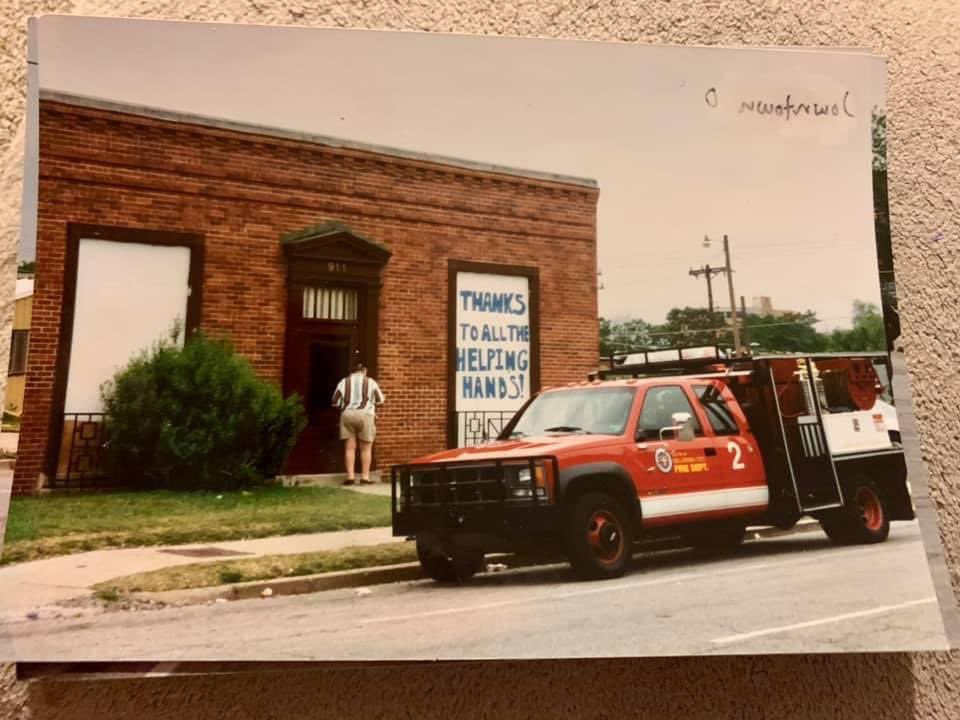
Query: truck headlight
{"type": "Point", "coordinates": [526, 482]}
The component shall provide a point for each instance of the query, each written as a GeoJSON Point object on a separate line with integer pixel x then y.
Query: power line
{"type": "Point", "coordinates": [729, 329]}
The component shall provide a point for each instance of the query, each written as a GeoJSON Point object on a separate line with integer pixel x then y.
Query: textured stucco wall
{"type": "Point", "coordinates": [922, 41]}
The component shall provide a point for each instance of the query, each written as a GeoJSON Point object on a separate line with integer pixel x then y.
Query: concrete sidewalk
{"type": "Point", "coordinates": [30, 585]}
{"type": "Point", "coordinates": [6, 486]}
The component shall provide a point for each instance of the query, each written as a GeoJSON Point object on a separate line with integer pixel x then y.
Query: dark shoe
{"type": "Point", "coordinates": [348, 481]}
{"type": "Point", "coordinates": [367, 481]}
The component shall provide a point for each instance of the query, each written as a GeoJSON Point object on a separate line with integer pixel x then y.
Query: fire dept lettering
{"type": "Point", "coordinates": [691, 467]}
{"type": "Point", "coordinates": [685, 462]}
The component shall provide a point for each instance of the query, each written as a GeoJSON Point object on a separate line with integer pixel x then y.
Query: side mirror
{"type": "Point", "coordinates": [685, 421]}
{"type": "Point", "coordinates": [682, 427]}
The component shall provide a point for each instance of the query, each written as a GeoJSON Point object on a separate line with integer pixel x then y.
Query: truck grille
{"type": "Point", "coordinates": [456, 486]}
{"type": "Point", "coordinates": [463, 485]}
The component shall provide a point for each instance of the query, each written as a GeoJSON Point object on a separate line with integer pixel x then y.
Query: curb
{"type": "Point", "coordinates": [287, 586]}
{"type": "Point", "coordinates": [360, 577]}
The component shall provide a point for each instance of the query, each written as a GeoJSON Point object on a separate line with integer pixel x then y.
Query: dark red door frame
{"type": "Point", "coordinates": [332, 255]}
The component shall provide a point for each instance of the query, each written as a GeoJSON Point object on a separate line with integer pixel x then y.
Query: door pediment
{"type": "Point", "coordinates": [333, 241]}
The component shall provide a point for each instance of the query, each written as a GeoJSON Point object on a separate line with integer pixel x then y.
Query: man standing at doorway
{"type": "Point", "coordinates": [357, 396]}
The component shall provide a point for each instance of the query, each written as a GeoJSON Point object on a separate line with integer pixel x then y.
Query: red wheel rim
{"type": "Point", "coordinates": [871, 511]}
{"type": "Point", "coordinates": [605, 536]}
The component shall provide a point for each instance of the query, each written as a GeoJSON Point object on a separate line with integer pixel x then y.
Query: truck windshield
{"type": "Point", "coordinates": [596, 411]}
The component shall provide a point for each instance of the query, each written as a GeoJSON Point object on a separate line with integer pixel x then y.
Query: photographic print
{"type": "Point", "coordinates": [346, 345]}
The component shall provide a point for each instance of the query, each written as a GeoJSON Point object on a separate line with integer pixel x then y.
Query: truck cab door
{"type": "Point", "coordinates": [675, 459]}
{"type": "Point", "coordinates": [739, 460]}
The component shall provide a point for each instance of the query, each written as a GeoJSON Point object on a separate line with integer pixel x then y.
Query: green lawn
{"type": "Point", "coordinates": [49, 525]}
{"type": "Point", "coordinates": [267, 567]}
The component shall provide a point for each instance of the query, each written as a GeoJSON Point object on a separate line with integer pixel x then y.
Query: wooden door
{"type": "Point", "coordinates": [324, 339]}
{"type": "Point", "coordinates": [316, 361]}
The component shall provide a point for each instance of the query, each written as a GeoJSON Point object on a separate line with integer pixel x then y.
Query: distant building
{"type": "Point", "coordinates": [17, 369]}
{"type": "Point", "coordinates": [761, 305]}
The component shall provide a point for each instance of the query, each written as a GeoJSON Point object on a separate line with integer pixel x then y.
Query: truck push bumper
{"type": "Point", "coordinates": [472, 498]}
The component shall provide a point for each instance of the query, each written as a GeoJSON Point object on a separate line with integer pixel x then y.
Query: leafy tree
{"type": "Point", "coordinates": [868, 331]}
{"type": "Point", "coordinates": [606, 338]}
{"type": "Point", "coordinates": [26, 267]}
{"type": "Point", "coordinates": [197, 418]}
{"type": "Point", "coordinates": [790, 332]}
{"type": "Point", "coordinates": [888, 285]}
{"type": "Point", "coordinates": [692, 326]}
{"type": "Point", "coordinates": [878, 133]}
{"type": "Point", "coordinates": [619, 337]}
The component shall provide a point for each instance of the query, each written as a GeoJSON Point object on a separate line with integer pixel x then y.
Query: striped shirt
{"type": "Point", "coordinates": [358, 392]}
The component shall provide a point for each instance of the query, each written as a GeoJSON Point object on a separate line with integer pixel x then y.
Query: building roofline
{"type": "Point", "coordinates": [95, 103]}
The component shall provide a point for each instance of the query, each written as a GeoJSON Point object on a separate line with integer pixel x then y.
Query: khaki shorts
{"type": "Point", "coordinates": [358, 425]}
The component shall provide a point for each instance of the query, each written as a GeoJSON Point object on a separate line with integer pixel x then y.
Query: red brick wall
{"type": "Point", "coordinates": [242, 192]}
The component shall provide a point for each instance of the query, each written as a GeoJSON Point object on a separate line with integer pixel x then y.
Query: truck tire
{"type": "Point", "coordinates": [453, 565]}
{"type": "Point", "coordinates": [721, 540]}
{"type": "Point", "coordinates": [598, 536]}
{"type": "Point", "coordinates": [862, 520]}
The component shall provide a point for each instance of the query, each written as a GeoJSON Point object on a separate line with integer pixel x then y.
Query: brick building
{"type": "Point", "coordinates": [463, 286]}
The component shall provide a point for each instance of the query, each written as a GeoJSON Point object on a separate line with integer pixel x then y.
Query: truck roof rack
{"type": "Point", "coordinates": [700, 359]}
{"type": "Point", "coordinates": [666, 361]}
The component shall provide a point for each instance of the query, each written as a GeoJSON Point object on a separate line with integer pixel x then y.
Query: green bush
{"type": "Point", "coordinates": [196, 417]}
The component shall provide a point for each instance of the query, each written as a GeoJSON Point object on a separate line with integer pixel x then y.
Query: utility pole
{"type": "Point", "coordinates": [709, 272]}
{"type": "Point", "coordinates": [728, 269]}
{"type": "Point", "coordinates": [746, 330]}
{"type": "Point", "coordinates": [733, 298]}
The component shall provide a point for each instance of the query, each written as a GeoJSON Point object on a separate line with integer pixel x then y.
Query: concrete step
{"type": "Point", "coordinates": [326, 480]}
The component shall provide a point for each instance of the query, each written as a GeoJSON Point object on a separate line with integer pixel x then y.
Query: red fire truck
{"type": "Point", "coordinates": [681, 446]}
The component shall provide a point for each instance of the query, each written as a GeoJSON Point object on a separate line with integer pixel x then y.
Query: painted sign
{"type": "Point", "coordinates": [492, 346]}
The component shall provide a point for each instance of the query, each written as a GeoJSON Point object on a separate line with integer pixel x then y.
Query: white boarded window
{"type": "Point", "coordinates": [493, 352]}
{"type": "Point", "coordinates": [129, 296]}
{"type": "Point", "coordinates": [328, 303]}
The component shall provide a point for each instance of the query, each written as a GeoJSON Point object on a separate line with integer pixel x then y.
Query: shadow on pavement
{"type": "Point", "coordinates": [557, 571]}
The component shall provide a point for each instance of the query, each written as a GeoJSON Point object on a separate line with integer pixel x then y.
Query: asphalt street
{"type": "Point", "coordinates": [795, 593]}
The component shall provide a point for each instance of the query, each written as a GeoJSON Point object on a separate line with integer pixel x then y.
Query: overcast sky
{"type": "Point", "coordinates": [673, 162]}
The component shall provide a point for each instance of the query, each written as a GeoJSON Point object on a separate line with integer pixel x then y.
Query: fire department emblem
{"type": "Point", "coordinates": [663, 459]}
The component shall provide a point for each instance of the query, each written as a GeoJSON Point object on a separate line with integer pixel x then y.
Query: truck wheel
{"type": "Point", "coordinates": [863, 518]}
{"type": "Point", "coordinates": [721, 540]}
{"type": "Point", "coordinates": [598, 537]}
{"type": "Point", "coordinates": [451, 565]}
